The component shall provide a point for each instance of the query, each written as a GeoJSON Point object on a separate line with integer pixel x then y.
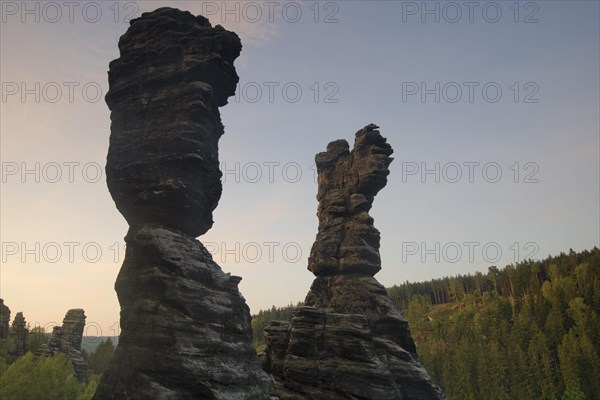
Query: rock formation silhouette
{"type": "Point", "coordinates": [20, 335]}
{"type": "Point", "coordinates": [4, 319]}
{"type": "Point", "coordinates": [185, 327]}
{"type": "Point", "coordinates": [349, 341]}
{"type": "Point", "coordinates": [66, 339]}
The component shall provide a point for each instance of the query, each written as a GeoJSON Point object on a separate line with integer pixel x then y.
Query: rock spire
{"type": "Point", "coordinates": [349, 341]}
{"type": "Point", "coordinates": [185, 328]}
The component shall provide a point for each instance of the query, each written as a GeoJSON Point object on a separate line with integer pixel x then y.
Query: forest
{"type": "Point", "coordinates": [526, 331]}
{"type": "Point", "coordinates": [29, 377]}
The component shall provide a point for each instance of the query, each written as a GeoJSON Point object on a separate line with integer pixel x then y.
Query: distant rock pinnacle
{"type": "Point", "coordinates": [67, 339]}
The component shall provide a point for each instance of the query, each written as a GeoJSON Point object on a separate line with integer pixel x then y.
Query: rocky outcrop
{"type": "Point", "coordinates": [185, 327]}
{"type": "Point", "coordinates": [72, 329]}
{"type": "Point", "coordinates": [66, 339]}
{"type": "Point", "coordinates": [349, 341]}
{"type": "Point", "coordinates": [347, 243]}
{"type": "Point", "coordinates": [4, 319]}
{"type": "Point", "coordinates": [175, 70]}
{"type": "Point", "coordinates": [19, 333]}
{"type": "Point", "coordinates": [54, 344]}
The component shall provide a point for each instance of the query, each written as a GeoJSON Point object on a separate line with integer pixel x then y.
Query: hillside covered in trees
{"type": "Point", "coordinates": [526, 331]}
{"type": "Point", "coordinates": [33, 377]}
{"type": "Point", "coordinates": [262, 319]}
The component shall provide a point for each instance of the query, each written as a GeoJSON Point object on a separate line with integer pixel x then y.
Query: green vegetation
{"type": "Point", "coordinates": [99, 359]}
{"type": "Point", "coordinates": [262, 319]}
{"type": "Point", "coordinates": [527, 331]}
{"type": "Point", "coordinates": [37, 337]}
{"type": "Point", "coordinates": [7, 347]}
{"type": "Point", "coordinates": [46, 378]}
{"type": "Point", "coordinates": [27, 378]}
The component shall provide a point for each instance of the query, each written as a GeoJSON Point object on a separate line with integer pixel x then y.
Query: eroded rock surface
{"type": "Point", "coordinates": [67, 339]}
{"type": "Point", "coordinates": [174, 71]}
{"type": "Point", "coordinates": [347, 242]}
{"type": "Point", "coordinates": [72, 328]}
{"type": "Point", "coordinates": [185, 327]}
{"type": "Point", "coordinates": [349, 341]}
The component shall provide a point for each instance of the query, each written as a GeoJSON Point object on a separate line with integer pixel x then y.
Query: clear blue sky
{"type": "Point", "coordinates": [370, 66]}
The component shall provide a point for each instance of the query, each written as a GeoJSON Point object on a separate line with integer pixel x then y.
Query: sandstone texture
{"type": "Point", "coordinates": [66, 339]}
{"type": "Point", "coordinates": [72, 328]}
{"type": "Point", "coordinates": [185, 327]}
{"type": "Point", "coordinates": [174, 71]}
{"type": "Point", "coordinates": [349, 341]}
{"type": "Point", "coordinates": [347, 242]}
{"type": "Point", "coordinates": [186, 330]}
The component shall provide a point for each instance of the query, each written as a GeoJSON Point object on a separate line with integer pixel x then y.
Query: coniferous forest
{"type": "Point", "coordinates": [526, 331]}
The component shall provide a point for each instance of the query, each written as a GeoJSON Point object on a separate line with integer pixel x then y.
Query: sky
{"type": "Point", "coordinates": [492, 109]}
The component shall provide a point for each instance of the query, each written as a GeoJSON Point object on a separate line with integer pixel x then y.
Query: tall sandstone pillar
{"type": "Point", "coordinates": [67, 339]}
{"type": "Point", "coordinates": [185, 327]}
{"type": "Point", "coordinates": [349, 341]}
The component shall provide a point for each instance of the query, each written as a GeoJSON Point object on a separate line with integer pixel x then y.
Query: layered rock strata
{"type": "Point", "coordinates": [185, 327]}
{"type": "Point", "coordinates": [67, 339]}
{"type": "Point", "coordinates": [349, 341]}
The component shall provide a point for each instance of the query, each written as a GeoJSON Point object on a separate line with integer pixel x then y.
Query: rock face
{"type": "Point", "coordinates": [349, 341]}
{"type": "Point", "coordinates": [67, 340]}
{"type": "Point", "coordinates": [20, 335]}
{"type": "Point", "coordinates": [185, 328]}
{"type": "Point", "coordinates": [347, 242]}
{"type": "Point", "coordinates": [4, 319]}
{"type": "Point", "coordinates": [175, 70]}
{"type": "Point", "coordinates": [72, 329]}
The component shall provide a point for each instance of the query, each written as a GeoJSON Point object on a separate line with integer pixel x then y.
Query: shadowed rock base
{"type": "Point", "coordinates": [186, 329]}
